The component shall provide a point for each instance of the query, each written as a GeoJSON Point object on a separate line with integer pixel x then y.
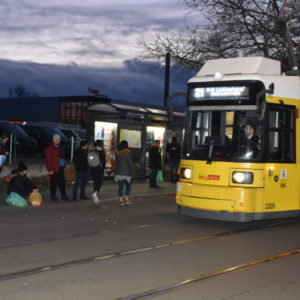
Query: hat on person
{"type": "Point", "coordinates": [83, 143]}
{"type": "Point", "coordinates": [56, 136]}
{"type": "Point", "coordinates": [22, 167]}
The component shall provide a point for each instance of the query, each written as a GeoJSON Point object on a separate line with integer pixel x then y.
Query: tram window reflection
{"type": "Point", "coordinates": [274, 119]}
{"type": "Point", "coordinates": [224, 133]}
{"type": "Point", "coordinates": [274, 145]}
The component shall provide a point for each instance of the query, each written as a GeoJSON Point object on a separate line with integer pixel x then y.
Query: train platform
{"type": "Point", "coordinates": [108, 192]}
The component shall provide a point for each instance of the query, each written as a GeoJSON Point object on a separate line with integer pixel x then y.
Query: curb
{"type": "Point", "coordinates": [113, 199]}
{"type": "Point", "coordinates": [141, 196]}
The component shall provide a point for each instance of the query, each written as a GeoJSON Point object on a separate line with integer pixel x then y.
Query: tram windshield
{"type": "Point", "coordinates": [224, 135]}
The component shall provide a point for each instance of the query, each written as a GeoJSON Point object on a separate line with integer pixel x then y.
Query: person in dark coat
{"type": "Point", "coordinates": [3, 149]}
{"type": "Point", "coordinates": [98, 172]}
{"type": "Point", "coordinates": [82, 170]}
{"type": "Point", "coordinates": [123, 171]}
{"type": "Point", "coordinates": [249, 144]}
{"type": "Point", "coordinates": [20, 183]}
{"type": "Point", "coordinates": [56, 164]}
{"type": "Point", "coordinates": [154, 163]}
{"type": "Point", "coordinates": [173, 151]}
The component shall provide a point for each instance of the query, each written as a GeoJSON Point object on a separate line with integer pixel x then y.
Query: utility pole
{"type": "Point", "coordinates": [167, 78]}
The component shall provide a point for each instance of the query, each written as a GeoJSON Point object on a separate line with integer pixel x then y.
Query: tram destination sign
{"type": "Point", "coordinates": [219, 93]}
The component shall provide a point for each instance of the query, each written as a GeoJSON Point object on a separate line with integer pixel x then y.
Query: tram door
{"type": "Point", "coordinates": [281, 179]}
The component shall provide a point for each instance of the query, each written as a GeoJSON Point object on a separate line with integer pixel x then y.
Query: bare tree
{"type": "Point", "coordinates": [21, 92]}
{"type": "Point", "coordinates": [254, 26]}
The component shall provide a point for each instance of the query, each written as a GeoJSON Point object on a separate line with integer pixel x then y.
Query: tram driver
{"type": "Point", "coordinates": [249, 144]}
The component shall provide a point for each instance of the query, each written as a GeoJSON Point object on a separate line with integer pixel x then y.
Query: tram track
{"type": "Point", "coordinates": [98, 232]}
{"type": "Point", "coordinates": [189, 281]}
{"type": "Point", "coordinates": [113, 255]}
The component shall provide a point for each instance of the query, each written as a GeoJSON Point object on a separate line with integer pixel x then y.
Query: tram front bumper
{"type": "Point", "coordinates": [217, 215]}
{"type": "Point", "coordinates": [223, 202]}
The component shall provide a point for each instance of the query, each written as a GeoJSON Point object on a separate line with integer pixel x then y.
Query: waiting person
{"type": "Point", "coordinates": [3, 149]}
{"type": "Point", "coordinates": [20, 183]}
{"type": "Point", "coordinates": [82, 170]}
{"type": "Point", "coordinates": [56, 164]}
{"type": "Point", "coordinates": [173, 151]}
{"type": "Point", "coordinates": [98, 172]}
{"type": "Point", "coordinates": [249, 144]}
{"type": "Point", "coordinates": [154, 163]}
{"type": "Point", "coordinates": [123, 171]}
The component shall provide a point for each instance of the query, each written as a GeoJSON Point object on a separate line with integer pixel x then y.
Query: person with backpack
{"type": "Point", "coordinates": [82, 170]}
{"type": "Point", "coordinates": [96, 161]}
{"type": "Point", "coordinates": [123, 171]}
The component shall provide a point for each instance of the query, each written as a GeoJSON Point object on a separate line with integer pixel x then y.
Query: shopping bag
{"type": "Point", "coordinates": [70, 173]}
{"type": "Point", "coordinates": [159, 177]}
{"type": "Point", "coordinates": [35, 199]}
{"type": "Point", "coordinates": [15, 199]}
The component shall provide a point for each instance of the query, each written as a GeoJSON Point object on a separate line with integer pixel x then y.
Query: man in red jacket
{"type": "Point", "coordinates": [55, 163]}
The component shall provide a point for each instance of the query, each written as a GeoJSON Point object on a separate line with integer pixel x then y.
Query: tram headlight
{"type": "Point", "coordinates": [242, 177]}
{"type": "Point", "coordinates": [186, 173]}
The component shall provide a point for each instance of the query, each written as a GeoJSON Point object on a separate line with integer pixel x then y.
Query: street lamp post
{"type": "Point", "coordinates": [167, 78]}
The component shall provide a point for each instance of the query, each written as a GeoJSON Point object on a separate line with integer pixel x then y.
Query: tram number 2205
{"type": "Point", "coordinates": [270, 206]}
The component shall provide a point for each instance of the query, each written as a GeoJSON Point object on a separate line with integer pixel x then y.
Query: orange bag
{"type": "Point", "coordinates": [35, 199]}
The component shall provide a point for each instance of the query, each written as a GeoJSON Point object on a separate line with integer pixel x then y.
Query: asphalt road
{"type": "Point", "coordinates": [77, 251]}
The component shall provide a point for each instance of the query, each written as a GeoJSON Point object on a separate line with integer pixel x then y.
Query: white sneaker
{"type": "Point", "coordinates": [128, 202]}
{"type": "Point", "coordinates": [95, 198]}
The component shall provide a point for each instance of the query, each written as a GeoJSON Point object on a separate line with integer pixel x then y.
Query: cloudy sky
{"type": "Point", "coordinates": [60, 47]}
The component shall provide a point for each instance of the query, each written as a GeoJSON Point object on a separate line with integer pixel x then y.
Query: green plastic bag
{"type": "Point", "coordinates": [159, 177]}
{"type": "Point", "coordinates": [15, 199]}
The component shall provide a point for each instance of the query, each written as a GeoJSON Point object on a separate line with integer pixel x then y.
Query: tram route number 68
{"type": "Point", "coordinates": [270, 206]}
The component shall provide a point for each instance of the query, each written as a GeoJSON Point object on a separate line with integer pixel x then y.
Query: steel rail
{"type": "Point", "coordinates": [41, 269]}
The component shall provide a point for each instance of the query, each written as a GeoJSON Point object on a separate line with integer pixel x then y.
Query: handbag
{"type": "Point", "coordinates": [159, 177]}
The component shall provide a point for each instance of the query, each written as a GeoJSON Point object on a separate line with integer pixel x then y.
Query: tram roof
{"type": "Point", "coordinates": [241, 65]}
{"type": "Point", "coordinates": [262, 69]}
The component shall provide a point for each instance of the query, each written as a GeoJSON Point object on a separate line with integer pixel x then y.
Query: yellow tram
{"type": "Point", "coordinates": [240, 159]}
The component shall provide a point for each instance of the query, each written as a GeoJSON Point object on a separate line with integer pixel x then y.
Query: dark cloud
{"type": "Point", "coordinates": [57, 31]}
{"type": "Point", "coordinates": [135, 81]}
{"type": "Point", "coordinates": [62, 47]}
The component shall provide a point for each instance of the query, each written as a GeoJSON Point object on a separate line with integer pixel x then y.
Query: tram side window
{"type": "Point", "coordinates": [282, 135]}
{"type": "Point", "coordinates": [274, 136]}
